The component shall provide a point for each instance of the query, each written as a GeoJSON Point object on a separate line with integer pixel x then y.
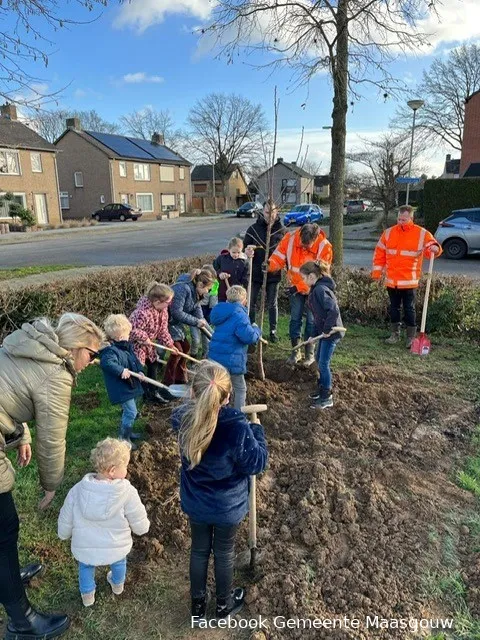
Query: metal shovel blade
{"type": "Point", "coordinates": [421, 345]}
{"type": "Point", "coordinates": [179, 390]}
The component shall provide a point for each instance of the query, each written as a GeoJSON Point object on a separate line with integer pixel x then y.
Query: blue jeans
{"type": "Point", "coordinates": [129, 413]}
{"type": "Point", "coordinates": [298, 305]}
{"type": "Point", "coordinates": [324, 355]}
{"type": "Point", "coordinates": [86, 575]}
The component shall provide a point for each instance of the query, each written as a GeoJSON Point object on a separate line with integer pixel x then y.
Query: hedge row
{"type": "Point", "coordinates": [441, 197]}
{"type": "Point", "coordinates": [454, 308]}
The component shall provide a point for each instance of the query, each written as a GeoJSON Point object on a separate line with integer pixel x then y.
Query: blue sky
{"type": "Point", "coordinates": [144, 53]}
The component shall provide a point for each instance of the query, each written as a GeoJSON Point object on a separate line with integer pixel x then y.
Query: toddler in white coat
{"type": "Point", "coordinates": [99, 514]}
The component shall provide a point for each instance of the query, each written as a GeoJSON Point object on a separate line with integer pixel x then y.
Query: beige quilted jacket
{"type": "Point", "coordinates": [36, 380]}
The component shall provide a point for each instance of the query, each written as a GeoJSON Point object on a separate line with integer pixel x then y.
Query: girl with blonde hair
{"type": "Point", "coordinates": [219, 450]}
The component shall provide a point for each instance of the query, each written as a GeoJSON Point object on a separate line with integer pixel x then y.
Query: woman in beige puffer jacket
{"type": "Point", "coordinates": [38, 368]}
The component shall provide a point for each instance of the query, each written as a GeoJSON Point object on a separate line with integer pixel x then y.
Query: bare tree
{"type": "Point", "coordinates": [145, 122]}
{"type": "Point", "coordinates": [354, 40]}
{"type": "Point", "coordinates": [22, 41]}
{"type": "Point", "coordinates": [444, 87]}
{"type": "Point", "coordinates": [51, 124]}
{"type": "Point", "coordinates": [229, 130]}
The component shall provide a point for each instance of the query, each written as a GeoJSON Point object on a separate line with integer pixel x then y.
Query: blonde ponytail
{"type": "Point", "coordinates": [211, 386]}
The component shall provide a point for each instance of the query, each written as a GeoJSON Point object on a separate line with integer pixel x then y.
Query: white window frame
{"type": "Point", "coordinates": [122, 169]}
{"type": "Point", "coordinates": [17, 194]}
{"type": "Point", "coordinates": [65, 196]}
{"type": "Point", "coordinates": [153, 203]}
{"type": "Point", "coordinates": [17, 156]}
{"type": "Point", "coordinates": [78, 179]}
{"type": "Point", "coordinates": [36, 154]}
{"type": "Point", "coordinates": [181, 171]}
{"type": "Point", "coordinates": [139, 175]}
{"type": "Point", "coordinates": [171, 172]}
{"type": "Point", "coordinates": [168, 207]}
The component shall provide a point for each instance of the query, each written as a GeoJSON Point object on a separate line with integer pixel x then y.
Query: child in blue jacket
{"type": "Point", "coordinates": [219, 450]}
{"type": "Point", "coordinates": [116, 361]}
{"type": "Point", "coordinates": [233, 333]}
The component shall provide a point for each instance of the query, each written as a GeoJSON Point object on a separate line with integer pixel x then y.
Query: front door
{"type": "Point", "coordinates": [181, 202]}
{"type": "Point", "coordinates": [41, 210]}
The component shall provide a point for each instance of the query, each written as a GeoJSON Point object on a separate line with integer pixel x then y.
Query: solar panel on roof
{"type": "Point", "coordinates": [121, 145]}
{"type": "Point", "coordinates": [159, 152]}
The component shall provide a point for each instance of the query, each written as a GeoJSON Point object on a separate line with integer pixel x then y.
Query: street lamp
{"type": "Point", "coordinates": [414, 105]}
{"type": "Point", "coordinates": [324, 127]}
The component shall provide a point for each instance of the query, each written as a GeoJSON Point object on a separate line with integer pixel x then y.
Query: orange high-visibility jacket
{"type": "Point", "coordinates": [399, 253]}
{"type": "Point", "coordinates": [292, 254]}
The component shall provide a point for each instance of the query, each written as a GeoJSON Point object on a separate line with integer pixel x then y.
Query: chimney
{"type": "Point", "coordinates": [279, 160]}
{"type": "Point", "coordinates": [74, 123]}
{"type": "Point", "coordinates": [294, 162]}
{"type": "Point", "coordinates": [9, 111]}
{"type": "Point", "coordinates": [448, 158]}
{"type": "Point", "coordinates": [157, 138]}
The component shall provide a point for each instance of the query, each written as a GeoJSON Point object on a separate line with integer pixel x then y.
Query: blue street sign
{"type": "Point", "coordinates": [405, 180]}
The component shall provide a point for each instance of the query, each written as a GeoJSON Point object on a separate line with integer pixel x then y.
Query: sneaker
{"type": "Point", "coordinates": [314, 395]}
{"type": "Point", "coordinates": [324, 403]}
{"type": "Point", "coordinates": [88, 599]}
{"type": "Point", "coordinates": [199, 611]}
{"type": "Point", "coordinates": [273, 337]}
{"type": "Point", "coordinates": [232, 606]}
{"type": "Point", "coordinates": [117, 589]}
{"type": "Point", "coordinates": [135, 436]}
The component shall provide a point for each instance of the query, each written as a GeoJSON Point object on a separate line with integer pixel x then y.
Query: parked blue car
{"type": "Point", "coordinates": [302, 214]}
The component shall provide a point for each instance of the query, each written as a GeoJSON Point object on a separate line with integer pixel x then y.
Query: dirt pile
{"type": "Point", "coordinates": [346, 507]}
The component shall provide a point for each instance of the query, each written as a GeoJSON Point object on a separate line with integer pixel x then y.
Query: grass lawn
{"type": "Point", "coordinates": [155, 603]}
{"type": "Point", "coordinates": [22, 272]}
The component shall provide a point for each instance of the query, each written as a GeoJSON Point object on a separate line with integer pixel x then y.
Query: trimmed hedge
{"type": "Point", "coordinates": [441, 197]}
{"type": "Point", "coordinates": [454, 308]}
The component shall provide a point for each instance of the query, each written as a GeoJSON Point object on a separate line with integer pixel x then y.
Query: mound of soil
{"type": "Point", "coordinates": [348, 502]}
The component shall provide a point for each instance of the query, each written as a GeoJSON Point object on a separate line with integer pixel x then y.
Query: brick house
{"type": "Point", "coordinates": [28, 169]}
{"type": "Point", "coordinates": [451, 169]}
{"type": "Point", "coordinates": [291, 184]}
{"type": "Point", "coordinates": [471, 133]}
{"type": "Point", "coordinates": [95, 169]}
{"type": "Point", "coordinates": [236, 190]}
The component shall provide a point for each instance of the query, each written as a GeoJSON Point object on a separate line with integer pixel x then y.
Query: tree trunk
{"type": "Point", "coordinates": [339, 133]}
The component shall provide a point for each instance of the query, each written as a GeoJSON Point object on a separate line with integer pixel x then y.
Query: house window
{"type": "Point", "coordinates": [64, 200]}
{"type": "Point", "coordinates": [200, 188]}
{"type": "Point", "coordinates": [167, 201]}
{"type": "Point", "coordinates": [5, 205]}
{"type": "Point", "coordinates": [122, 167]}
{"type": "Point", "coordinates": [36, 160]}
{"type": "Point", "coordinates": [166, 174]}
{"type": "Point", "coordinates": [141, 172]}
{"type": "Point", "coordinates": [182, 173]}
{"type": "Point", "coordinates": [78, 178]}
{"type": "Point", "coordinates": [9, 162]}
{"type": "Point", "coordinates": [145, 200]}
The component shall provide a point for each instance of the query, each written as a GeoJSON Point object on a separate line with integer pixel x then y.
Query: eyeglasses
{"type": "Point", "coordinates": [93, 354]}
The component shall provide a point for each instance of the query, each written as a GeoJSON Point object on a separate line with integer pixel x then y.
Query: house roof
{"type": "Point", "coordinates": [203, 172]}
{"type": "Point", "coordinates": [16, 135]}
{"type": "Point", "coordinates": [471, 96]}
{"type": "Point", "coordinates": [293, 167]}
{"type": "Point", "coordinates": [116, 146]}
{"type": "Point", "coordinates": [321, 181]}
{"type": "Point", "coordinates": [473, 171]}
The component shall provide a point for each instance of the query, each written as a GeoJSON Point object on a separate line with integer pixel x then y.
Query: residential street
{"type": "Point", "coordinates": [134, 243]}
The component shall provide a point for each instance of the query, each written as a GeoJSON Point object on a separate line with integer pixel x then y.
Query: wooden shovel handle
{"type": "Point", "coordinates": [313, 340]}
{"type": "Point", "coordinates": [149, 380]}
{"type": "Point", "coordinates": [183, 355]}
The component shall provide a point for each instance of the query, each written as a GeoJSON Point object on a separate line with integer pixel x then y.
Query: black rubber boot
{"type": "Point", "coordinates": [273, 338]}
{"type": "Point", "coordinates": [199, 610]}
{"type": "Point", "coordinates": [232, 605]}
{"type": "Point", "coordinates": [30, 571]}
{"type": "Point", "coordinates": [24, 623]}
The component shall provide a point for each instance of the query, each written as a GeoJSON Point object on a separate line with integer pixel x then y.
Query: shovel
{"type": "Point", "coordinates": [176, 390]}
{"type": "Point", "coordinates": [421, 344]}
{"type": "Point", "coordinates": [183, 355]}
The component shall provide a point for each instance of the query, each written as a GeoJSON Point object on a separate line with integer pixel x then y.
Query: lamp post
{"type": "Point", "coordinates": [414, 105]}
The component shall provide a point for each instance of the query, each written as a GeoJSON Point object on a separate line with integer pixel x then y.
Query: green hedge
{"type": "Point", "coordinates": [441, 197]}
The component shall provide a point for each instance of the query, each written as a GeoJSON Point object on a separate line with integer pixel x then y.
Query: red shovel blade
{"type": "Point", "coordinates": [421, 345]}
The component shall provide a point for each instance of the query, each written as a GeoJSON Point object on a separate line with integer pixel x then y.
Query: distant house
{"type": "Point", "coordinates": [236, 189]}
{"type": "Point", "coordinates": [28, 169]}
{"type": "Point", "coordinates": [451, 168]}
{"type": "Point", "coordinates": [321, 186]}
{"type": "Point", "coordinates": [471, 133]}
{"type": "Point", "coordinates": [95, 169]}
{"type": "Point", "coordinates": [291, 184]}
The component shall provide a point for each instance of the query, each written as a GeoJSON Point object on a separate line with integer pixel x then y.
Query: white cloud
{"type": "Point", "coordinates": [79, 93]}
{"type": "Point", "coordinates": [141, 77]}
{"type": "Point", "coordinates": [141, 14]}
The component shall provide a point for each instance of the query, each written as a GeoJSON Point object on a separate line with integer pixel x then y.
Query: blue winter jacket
{"type": "Point", "coordinates": [184, 309]}
{"type": "Point", "coordinates": [114, 359]}
{"type": "Point", "coordinates": [233, 332]}
{"type": "Point", "coordinates": [216, 490]}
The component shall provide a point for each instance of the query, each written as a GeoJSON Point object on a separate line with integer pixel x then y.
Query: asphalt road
{"type": "Point", "coordinates": [133, 243]}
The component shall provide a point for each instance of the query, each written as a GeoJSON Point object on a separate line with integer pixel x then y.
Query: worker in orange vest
{"type": "Point", "coordinates": [295, 249]}
{"type": "Point", "coordinates": [399, 255]}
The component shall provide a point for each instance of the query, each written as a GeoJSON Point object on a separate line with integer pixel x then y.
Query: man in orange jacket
{"type": "Point", "coordinates": [399, 255]}
{"type": "Point", "coordinates": [295, 249]}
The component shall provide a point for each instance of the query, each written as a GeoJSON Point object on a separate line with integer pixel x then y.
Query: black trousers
{"type": "Point", "coordinates": [407, 298]}
{"type": "Point", "coordinates": [152, 372]}
{"type": "Point", "coordinates": [272, 302]}
{"type": "Point", "coordinates": [205, 538]}
{"type": "Point", "coordinates": [11, 587]}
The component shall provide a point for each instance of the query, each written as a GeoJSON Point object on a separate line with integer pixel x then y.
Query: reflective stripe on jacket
{"type": "Point", "coordinates": [399, 253]}
{"type": "Point", "coordinates": [292, 254]}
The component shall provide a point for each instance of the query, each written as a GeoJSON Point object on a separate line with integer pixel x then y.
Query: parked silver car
{"type": "Point", "coordinates": [459, 234]}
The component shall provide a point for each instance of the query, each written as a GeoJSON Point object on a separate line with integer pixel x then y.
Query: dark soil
{"type": "Point", "coordinates": [348, 502]}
